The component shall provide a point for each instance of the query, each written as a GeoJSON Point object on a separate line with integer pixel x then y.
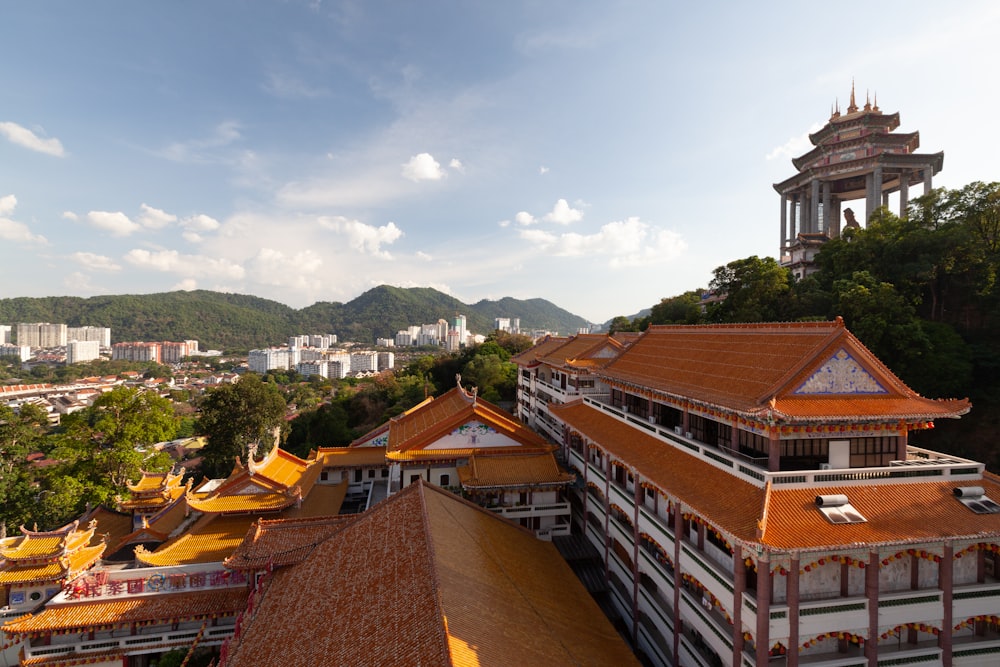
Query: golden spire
{"type": "Point", "coordinates": [868, 101]}
{"type": "Point", "coordinates": [875, 105]}
{"type": "Point", "coordinates": [853, 106]}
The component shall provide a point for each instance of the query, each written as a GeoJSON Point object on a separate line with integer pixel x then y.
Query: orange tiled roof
{"type": "Point", "coordinates": [893, 513]}
{"type": "Point", "coordinates": [513, 471]}
{"type": "Point", "coordinates": [332, 457]}
{"type": "Point", "coordinates": [155, 481]}
{"type": "Point", "coordinates": [531, 356]}
{"type": "Point", "coordinates": [741, 367]}
{"type": "Point", "coordinates": [323, 500]}
{"type": "Point", "coordinates": [455, 585]}
{"type": "Point", "coordinates": [583, 350]}
{"type": "Point", "coordinates": [210, 539]}
{"type": "Point", "coordinates": [88, 615]}
{"type": "Point", "coordinates": [283, 541]}
{"type": "Point", "coordinates": [251, 502]}
{"type": "Point", "coordinates": [696, 483]}
{"type": "Point", "coordinates": [116, 525]}
{"type": "Point", "coordinates": [449, 411]}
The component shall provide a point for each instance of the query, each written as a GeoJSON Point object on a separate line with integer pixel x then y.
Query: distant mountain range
{"type": "Point", "coordinates": [240, 322]}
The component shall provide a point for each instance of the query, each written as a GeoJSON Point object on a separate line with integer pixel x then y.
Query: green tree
{"type": "Point", "coordinates": [236, 416]}
{"type": "Point", "coordinates": [495, 378]}
{"type": "Point", "coordinates": [753, 290]}
{"type": "Point", "coordinates": [683, 309]}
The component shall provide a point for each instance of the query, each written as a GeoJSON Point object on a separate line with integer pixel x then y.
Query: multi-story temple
{"type": "Point", "coordinates": [755, 498]}
{"type": "Point", "coordinates": [857, 155]}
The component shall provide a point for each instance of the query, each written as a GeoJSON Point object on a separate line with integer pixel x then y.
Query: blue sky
{"type": "Point", "coordinates": [602, 155]}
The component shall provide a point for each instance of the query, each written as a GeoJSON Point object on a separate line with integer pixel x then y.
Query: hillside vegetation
{"type": "Point", "coordinates": [241, 322]}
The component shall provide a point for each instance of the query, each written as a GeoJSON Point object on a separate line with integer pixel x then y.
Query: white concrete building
{"type": "Point", "coordinates": [79, 351]}
{"type": "Point", "coordinates": [19, 352]}
{"type": "Point", "coordinates": [364, 361]}
{"type": "Point", "coordinates": [100, 334]}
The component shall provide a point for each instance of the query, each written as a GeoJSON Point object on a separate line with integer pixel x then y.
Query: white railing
{"type": "Point", "coordinates": [133, 644]}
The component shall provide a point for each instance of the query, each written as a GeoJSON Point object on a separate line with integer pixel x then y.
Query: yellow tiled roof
{"type": "Point", "coordinates": [513, 471]}
{"type": "Point", "coordinates": [454, 585]}
{"type": "Point", "coordinates": [154, 481]}
{"type": "Point", "coordinates": [332, 457]}
{"type": "Point", "coordinates": [210, 539]}
{"type": "Point", "coordinates": [62, 568]}
{"type": "Point", "coordinates": [29, 547]}
{"type": "Point", "coordinates": [88, 615]}
{"type": "Point", "coordinates": [252, 502]}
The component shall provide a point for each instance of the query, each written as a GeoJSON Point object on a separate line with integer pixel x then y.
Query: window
{"type": "Point", "coordinates": [371, 474]}
{"type": "Point", "coordinates": [414, 478]}
{"type": "Point", "coordinates": [324, 476]}
{"type": "Point", "coordinates": [357, 475]}
{"type": "Point", "coordinates": [445, 480]}
{"type": "Point", "coordinates": [385, 472]}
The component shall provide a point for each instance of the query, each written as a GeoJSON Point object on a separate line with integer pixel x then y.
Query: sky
{"type": "Point", "coordinates": [601, 155]}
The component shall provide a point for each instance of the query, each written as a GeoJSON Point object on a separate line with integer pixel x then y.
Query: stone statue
{"type": "Point", "coordinates": [850, 221]}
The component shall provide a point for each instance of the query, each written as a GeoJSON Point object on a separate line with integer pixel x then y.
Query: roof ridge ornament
{"type": "Point", "coordinates": [853, 107]}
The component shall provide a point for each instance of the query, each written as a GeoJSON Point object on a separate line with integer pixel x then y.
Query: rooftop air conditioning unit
{"type": "Point", "coordinates": [677, 430]}
{"type": "Point", "coordinates": [825, 466]}
{"type": "Point", "coordinates": [688, 435]}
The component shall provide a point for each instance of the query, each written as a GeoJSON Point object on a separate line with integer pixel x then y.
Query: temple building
{"type": "Point", "coordinates": [857, 155]}
{"type": "Point", "coordinates": [756, 499]}
{"type": "Point", "coordinates": [424, 578]}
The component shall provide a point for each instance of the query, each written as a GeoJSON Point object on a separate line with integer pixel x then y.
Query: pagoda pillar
{"type": "Point", "coordinates": [792, 598]}
{"type": "Point", "coordinates": [928, 175]}
{"type": "Point", "coordinates": [834, 229]}
{"type": "Point", "coordinates": [763, 611]}
{"type": "Point", "coordinates": [739, 587]}
{"type": "Point", "coordinates": [871, 592]}
{"type": "Point", "coordinates": [826, 207]}
{"type": "Point", "coordinates": [904, 192]}
{"type": "Point", "coordinates": [876, 190]}
{"type": "Point", "coordinates": [784, 221]}
{"type": "Point", "coordinates": [814, 205]}
{"type": "Point", "coordinates": [869, 195]}
{"type": "Point", "coordinates": [793, 218]}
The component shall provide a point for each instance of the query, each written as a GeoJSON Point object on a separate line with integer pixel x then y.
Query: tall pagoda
{"type": "Point", "coordinates": [856, 156]}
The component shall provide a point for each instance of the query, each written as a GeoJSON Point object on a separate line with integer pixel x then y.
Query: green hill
{"type": "Point", "coordinates": [240, 322]}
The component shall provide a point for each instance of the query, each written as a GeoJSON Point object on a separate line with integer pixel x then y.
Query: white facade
{"type": "Point", "coordinates": [272, 358]}
{"type": "Point", "coordinates": [78, 351]}
{"type": "Point", "coordinates": [100, 334]}
{"type": "Point", "coordinates": [41, 334]}
{"type": "Point", "coordinates": [386, 361]}
{"type": "Point", "coordinates": [20, 352]}
{"type": "Point", "coordinates": [309, 368]}
{"type": "Point", "coordinates": [364, 361]}
{"type": "Point", "coordinates": [5, 333]}
{"type": "Point", "coordinates": [385, 342]}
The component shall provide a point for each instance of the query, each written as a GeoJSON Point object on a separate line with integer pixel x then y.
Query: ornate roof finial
{"type": "Point", "coordinates": [875, 105]}
{"type": "Point", "coordinates": [868, 101]}
{"type": "Point", "coordinates": [853, 106]}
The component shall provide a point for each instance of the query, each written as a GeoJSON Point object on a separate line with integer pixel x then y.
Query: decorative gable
{"type": "Point", "coordinates": [473, 434]}
{"type": "Point", "coordinates": [841, 374]}
{"type": "Point", "coordinates": [252, 489]}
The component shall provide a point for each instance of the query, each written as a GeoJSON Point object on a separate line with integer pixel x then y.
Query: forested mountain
{"type": "Point", "coordinates": [241, 322]}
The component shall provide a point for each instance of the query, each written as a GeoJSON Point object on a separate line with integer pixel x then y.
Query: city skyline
{"type": "Point", "coordinates": [599, 157]}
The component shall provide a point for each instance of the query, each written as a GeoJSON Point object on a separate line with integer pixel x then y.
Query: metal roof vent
{"type": "Point", "coordinates": [838, 509]}
{"type": "Point", "coordinates": [974, 497]}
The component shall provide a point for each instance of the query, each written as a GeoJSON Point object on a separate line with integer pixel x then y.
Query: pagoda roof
{"type": "Point", "coordinates": [85, 616]}
{"type": "Point", "coordinates": [112, 524]}
{"type": "Point", "coordinates": [908, 140]}
{"type": "Point", "coordinates": [783, 518]}
{"type": "Point", "coordinates": [64, 567]}
{"type": "Point", "coordinates": [849, 169]}
{"type": "Point", "coordinates": [788, 372]}
{"type": "Point", "coordinates": [35, 545]}
{"type": "Point", "coordinates": [454, 585]}
{"type": "Point", "coordinates": [438, 418]}
{"type": "Point", "coordinates": [153, 482]}
{"type": "Point", "coordinates": [513, 471]}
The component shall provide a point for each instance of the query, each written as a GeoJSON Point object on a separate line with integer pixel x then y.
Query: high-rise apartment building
{"type": "Point", "coordinates": [79, 351]}
{"type": "Point", "coordinates": [41, 334]}
{"type": "Point", "coordinates": [100, 334]}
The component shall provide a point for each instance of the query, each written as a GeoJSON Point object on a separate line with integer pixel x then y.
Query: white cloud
{"type": "Point", "coordinates": [22, 136]}
{"type": "Point", "coordinates": [200, 150]}
{"type": "Point", "coordinates": [287, 87]}
{"type": "Point", "coordinates": [185, 285]}
{"type": "Point", "coordinates": [795, 146]}
{"type": "Point", "coordinates": [457, 165]}
{"type": "Point", "coordinates": [115, 222]}
{"type": "Point", "coordinates": [366, 238]}
{"type": "Point", "coordinates": [273, 267]}
{"type": "Point", "coordinates": [423, 167]}
{"type": "Point", "coordinates": [11, 230]}
{"type": "Point", "coordinates": [200, 223]}
{"type": "Point", "coordinates": [504, 223]}
{"type": "Point", "coordinates": [189, 266]}
{"type": "Point", "coordinates": [524, 218]}
{"type": "Point", "coordinates": [424, 256]}
{"type": "Point", "coordinates": [70, 215]}
{"type": "Point", "coordinates": [563, 214]}
{"type": "Point", "coordinates": [543, 170]}
{"type": "Point", "coordinates": [154, 218]}
{"type": "Point", "coordinates": [626, 243]}
{"type": "Point", "coordinates": [95, 262]}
